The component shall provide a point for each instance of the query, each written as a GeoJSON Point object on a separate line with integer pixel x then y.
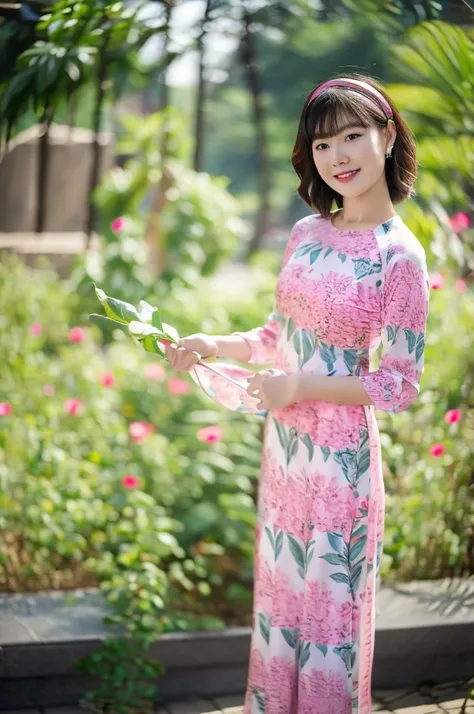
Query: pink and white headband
{"type": "Point", "coordinates": [355, 84]}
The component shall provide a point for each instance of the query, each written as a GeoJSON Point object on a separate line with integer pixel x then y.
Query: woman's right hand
{"type": "Point", "coordinates": [191, 349]}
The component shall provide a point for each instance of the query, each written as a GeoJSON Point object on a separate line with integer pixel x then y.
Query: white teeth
{"type": "Point", "coordinates": [345, 175]}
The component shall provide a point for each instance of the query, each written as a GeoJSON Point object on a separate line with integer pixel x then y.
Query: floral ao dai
{"type": "Point", "coordinates": [319, 537]}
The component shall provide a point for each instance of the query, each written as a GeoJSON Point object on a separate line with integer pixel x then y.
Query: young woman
{"type": "Point", "coordinates": [351, 280]}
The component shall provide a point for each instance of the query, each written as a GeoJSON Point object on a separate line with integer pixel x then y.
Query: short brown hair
{"type": "Point", "coordinates": [330, 110]}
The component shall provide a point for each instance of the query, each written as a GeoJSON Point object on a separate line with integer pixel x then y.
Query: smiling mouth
{"type": "Point", "coordinates": [347, 174]}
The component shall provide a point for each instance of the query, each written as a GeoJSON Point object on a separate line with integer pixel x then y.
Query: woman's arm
{"type": "Point", "coordinates": [339, 390]}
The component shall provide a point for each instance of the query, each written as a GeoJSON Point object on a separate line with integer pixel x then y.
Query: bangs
{"type": "Point", "coordinates": [336, 109]}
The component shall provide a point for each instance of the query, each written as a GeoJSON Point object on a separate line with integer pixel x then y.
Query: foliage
{"type": "Point", "coordinates": [199, 218]}
{"type": "Point", "coordinates": [73, 39]}
{"type": "Point", "coordinates": [429, 502]}
{"type": "Point", "coordinates": [119, 484]}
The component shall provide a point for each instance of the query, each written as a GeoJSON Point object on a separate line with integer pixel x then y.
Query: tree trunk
{"type": "Point", "coordinates": [96, 149]}
{"type": "Point", "coordinates": [154, 237]}
{"type": "Point", "coordinates": [43, 170]}
{"type": "Point", "coordinates": [249, 58]}
{"type": "Point", "coordinates": [199, 126]}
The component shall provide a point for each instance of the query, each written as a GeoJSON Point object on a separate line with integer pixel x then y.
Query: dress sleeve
{"type": "Point", "coordinates": [395, 385]}
{"type": "Point", "coordinates": [263, 340]}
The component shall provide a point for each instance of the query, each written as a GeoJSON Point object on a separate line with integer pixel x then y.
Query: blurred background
{"type": "Point", "coordinates": [145, 147]}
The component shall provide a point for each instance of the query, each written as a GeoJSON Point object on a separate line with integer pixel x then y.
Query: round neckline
{"type": "Point", "coordinates": [366, 230]}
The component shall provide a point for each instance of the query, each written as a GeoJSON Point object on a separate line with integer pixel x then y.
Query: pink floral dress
{"type": "Point", "coordinates": [319, 536]}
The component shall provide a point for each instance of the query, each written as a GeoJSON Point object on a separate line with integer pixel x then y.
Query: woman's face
{"type": "Point", "coordinates": [354, 160]}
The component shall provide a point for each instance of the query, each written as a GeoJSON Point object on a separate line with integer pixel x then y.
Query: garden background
{"type": "Point", "coordinates": [114, 471]}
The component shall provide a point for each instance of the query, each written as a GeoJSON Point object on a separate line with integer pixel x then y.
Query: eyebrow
{"type": "Point", "coordinates": [343, 128]}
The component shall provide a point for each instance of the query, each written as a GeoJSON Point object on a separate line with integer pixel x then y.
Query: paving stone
{"type": "Point", "coordinates": [192, 706]}
{"type": "Point", "coordinates": [389, 695]}
{"type": "Point", "coordinates": [230, 705]}
{"type": "Point", "coordinates": [421, 709]}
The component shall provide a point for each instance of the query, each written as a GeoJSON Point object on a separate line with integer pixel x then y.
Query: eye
{"type": "Point", "coordinates": [349, 135]}
{"type": "Point", "coordinates": [317, 146]}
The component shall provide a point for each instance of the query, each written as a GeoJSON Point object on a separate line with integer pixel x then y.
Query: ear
{"type": "Point", "coordinates": [391, 133]}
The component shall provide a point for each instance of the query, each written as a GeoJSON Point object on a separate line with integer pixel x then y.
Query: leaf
{"type": "Point", "coordinates": [356, 549]}
{"type": "Point", "coordinates": [420, 346]}
{"type": "Point", "coordinates": [296, 551]}
{"type": "Point", "coordinates": [281, 435]}
{"type": "Point", "coordinates": [104, 321]}
{"type": "Point", "coordinates": [410, 338]}
{"type": "Point", "coordinates": [278, 544]}
{"type": "Point", "coordinates": [350, 359]}
{"type": "Point", "coordinates": [355, 577]}
{"type": "Point", "coordinates": [308, 347]}
{"type": "Point", "coordinates": [170, 332]}
{"type": "Point", "coordinates": [264, 627]}
{"type": "Point", "coordinates": [336, 542]}
{"type": "Point", "coordinates": [142, 329]}
{"type": "Point", "coordinates": [342, 257]}
{"type": "Point", "coordinates": [270, 537]}
{"type": "Point", "coordinates": [340, 578]}
{"type": "Point", "coordinates": [117, 309]}
{"type": "Point", "coordinates": [305, 655]}
{"type": "Point", "coordinates": [306, 439]}
{"type": "Point", "coordinates": [290, 329]}
{"type": "Point", "coordinates": [333, 559]}
{"type": "Point", "coordinates": [289, 636]}
{"type": "Point", "coordinates": [292, 447]}
{"type": "Point", "coordinates": [363, 453]}
{"type": "Point", "coordinates": [314, 256]}
{"type": "Point", "coordinates": [326, 452]}
{"type": "Point", "coordinates": [323, 649]}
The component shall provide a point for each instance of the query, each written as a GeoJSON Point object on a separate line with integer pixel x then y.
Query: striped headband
{"type": "Point", "coordinates": [358, 86]}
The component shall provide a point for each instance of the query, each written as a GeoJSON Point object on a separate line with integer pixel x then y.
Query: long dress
{"type": "Point", "coordinates": [319, 536]}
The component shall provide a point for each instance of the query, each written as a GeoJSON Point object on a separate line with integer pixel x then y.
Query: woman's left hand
{"type": "Point", "coordinates": [275, 389]}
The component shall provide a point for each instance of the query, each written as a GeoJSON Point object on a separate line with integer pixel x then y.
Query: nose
{"type": "Point", "coordinates": [339, 156]}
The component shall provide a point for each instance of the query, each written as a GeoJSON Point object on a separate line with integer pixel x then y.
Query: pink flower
{"type": "Point", "coordinates": [436, 281]}
{"type": "Point", "coordinates": [459, 221]}
{"type": "Point", "coordinates": [452, 416]}
{"type": "Point", "coordinates": [210, 434]}
{"type": "Point", "coordinates": [155, 372]}
{"type": "Point", "coordinates": [73, 406]}
{"type": "Point", "coordinates": [177, 386]}
{"type": "Point", "coordinates": [140, 430]}
{"type": "Point", "coordinates": [77, 334]}
{"type": "Point", "coordinates": [5, 409]}
{"type": "Point", "coordinates": [130, 481]}
{"type": "Point", "coordinates": [437, 450]}
{"type": "Point", "coordinates": [107, 379]}
{"type": "Point", "coordinates": [118, 224]}
{"type": "Point", "coordinates": [165, 342]}
{"type": "Point", "coordinates": [461, 286]}
{"type": "Point", "coordinates": [36, 329]}
{"type": "Point", "coordinates": [48, 390]}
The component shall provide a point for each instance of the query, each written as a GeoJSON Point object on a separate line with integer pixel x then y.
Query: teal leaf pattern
{"type": "Point", "coordinates": [306, 439]}
{"type": "Point", "coordinates": [326, 451]}
{"type": "Point", "coordinates": [264, 624]}
{"type": "Point", "coordinates": [290, 636]}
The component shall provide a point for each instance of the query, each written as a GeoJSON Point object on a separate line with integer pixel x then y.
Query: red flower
{"type": "Point", "coordinates": [36, 329]}
{"type": "Point", "coordinates": [77, 334]}
{"type": "Point", "coordinates": [210, 434]}
{"type": "Point", "coordinates": [73, 406]}
{"type": "Point", "coordinates": [452, 416]}
{"type": "Point", "coordinates": [461, 286]}
{"type": "Point", "coordinates": [437, 450]}
{"type": "Point", "coordinates": [107, 379]}
{"type": "Point", "coordinates": [177, 386]}
{"type": "Point", "coordinates": [459, 221]}
{"type": "Point", "coordinates": [118, 224]}
{"type": "Point", "coordinates": [130, 481]}
{"type": "Point", "coordinates": [140, 430]}
{"type": "Point", "coordinates": [5, 409]}
{"type": "Point", "coordinates": [436, 281]}
{"type": "Point", "coordinates": [154, 371]}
